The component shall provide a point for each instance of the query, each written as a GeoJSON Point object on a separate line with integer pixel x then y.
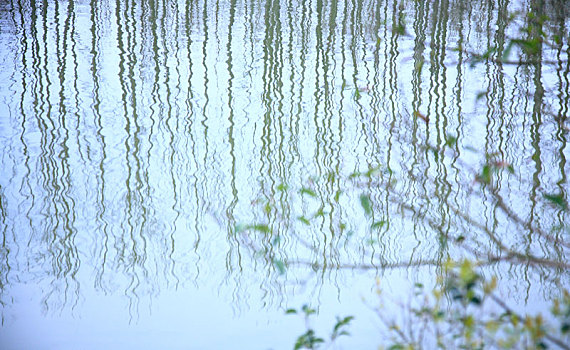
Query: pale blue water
{"type": "Point", "coordinates": [139, 139]}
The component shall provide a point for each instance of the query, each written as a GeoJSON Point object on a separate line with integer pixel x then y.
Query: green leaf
{"type": "Point", "coordinates": [282, 187]}
{"type": "Point", "coordinates": [530, 47]}
{"type": "Point", "coordinates": [304, 220]}
{"type": "Point", "coordinates": [480, 95]}
{"type": "Point", "coordinates": [308, 191]}
{"type": "Point", "coordinates": [557, 199]}
{"type": "Point", "coordinates": [337, 195]}
{"type": "Point", "coordinates": [507, 50]}
{"type": "Point", "coordinates": [378, 224]}
{"type": "Point", "coordinates": [371, 241]}
{"type": "Point", "coordinates": [290, 311]}
{"type": "Point", "coordinates": [338, 327]}
{"type": "Point", "coordinates": [355, 174]}
{"type": "Point", "coordinates": [308, 310]}
{"type": "Point", "coordinates": [451, 140]}
{"type": "Point", "coordinates": [279, 265]}
{"type": "Point", "coordinates": [342, 322]}
{"type": "Point", "coordinates": [366, 205]}
{"type": "Point", "coordinates": [475, 300]}
{"type": "Point", "coordinates": [320, 212]}
{"type": "Point", "coordinates": [419, 65]}
{"type": "Point", "coordinates": [259, 227]}
{"type": "Point", "coordinates": [485, 175]}
{"type": "Point", "coordinates": [396, 347]}
{"type": "Point", "coordinates": [267, 208]}
{"type": "Point", "coordinates": [373, 171]}
{"type": "Point", "coordinates": [467, 273]}
{"type": "Point", "coordinates": [438, 315]}
{"type": "Point", "coordinates": [308, 340]}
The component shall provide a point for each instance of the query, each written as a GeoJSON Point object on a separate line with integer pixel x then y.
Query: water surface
{"type": "Point", "coordinates": [142, 141]}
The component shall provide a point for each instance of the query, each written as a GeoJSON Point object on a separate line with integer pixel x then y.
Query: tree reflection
{"type": "Point", "coordinates": [142, 134]}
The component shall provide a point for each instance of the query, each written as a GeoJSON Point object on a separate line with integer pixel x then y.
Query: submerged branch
{"type": "Point", "coordinates": [491, 260]}
{"type": "Point", "coordinates": [351, 266]}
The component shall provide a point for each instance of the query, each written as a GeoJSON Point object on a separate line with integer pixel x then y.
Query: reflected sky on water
{"type": "Point", "coordinates": [181, 172]}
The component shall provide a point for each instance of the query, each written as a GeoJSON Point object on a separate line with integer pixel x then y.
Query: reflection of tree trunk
{"type": "Point", "coordinates": [563, 94]}
{"type": "Point", "coordinates": [537, 8]}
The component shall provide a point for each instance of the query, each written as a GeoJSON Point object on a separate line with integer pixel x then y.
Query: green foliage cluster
{"type": "Point", "coordinates": [309, 339]}
{"type": "Point", "coordinates": [464, 312]}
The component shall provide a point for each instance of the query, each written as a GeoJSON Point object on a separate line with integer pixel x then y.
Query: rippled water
{"type": "Point", "coordinates": [143, 141]}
